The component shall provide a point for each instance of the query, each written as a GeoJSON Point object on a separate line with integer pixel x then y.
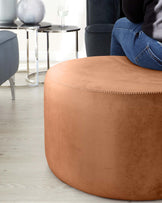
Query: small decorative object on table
{"type": "Point", "coordinates": [62, 12]}
{"type": "Point", "coordinates": [8, 11]}
{"type": "Point", "coordinates": [31, 11]}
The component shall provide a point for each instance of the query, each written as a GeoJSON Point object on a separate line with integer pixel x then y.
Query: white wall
{"type": "Point", "coordinates": [62, 46]}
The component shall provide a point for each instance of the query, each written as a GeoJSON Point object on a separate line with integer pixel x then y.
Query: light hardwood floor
{"type": "Point", "coordinates": [24, 174]}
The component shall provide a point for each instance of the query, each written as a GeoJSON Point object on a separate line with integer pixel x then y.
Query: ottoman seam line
{"type": "Point", "coordinates": [111, 91]}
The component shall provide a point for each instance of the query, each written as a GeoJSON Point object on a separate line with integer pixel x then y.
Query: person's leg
{"type": "Point", "coordinates": [151, 56]}
{"type": "Point", "coordinates": [116, 48]}
{"type": "Point", "coordinates": [123, 37]}
{"type": "Point", "coordinates": [129, 39]}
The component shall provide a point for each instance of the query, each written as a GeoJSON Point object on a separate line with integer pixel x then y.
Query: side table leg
{"type": "Point", "coordinates": [48, 56]}
{"type": "Point", "coordinates": [36, 57]}
{"type": "Point", "coordinates": [27, 51]}
{"type": "Point", "coordinates": [12, 86]}
{"type": "Point", "coordinates": [29, 76]}
{"type": "Point", "coordinates": [77, 45]}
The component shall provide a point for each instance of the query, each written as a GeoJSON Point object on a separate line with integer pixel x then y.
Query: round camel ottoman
{"type": "Point", "coordinates": [103, 127]}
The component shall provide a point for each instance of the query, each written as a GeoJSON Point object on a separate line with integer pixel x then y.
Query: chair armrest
{"type": "Point", "coordinates": [100, 28]}
{"type": "Point", "coordinates": [9, 55]}
{"type": "Point", "coordinates": [5, 36]}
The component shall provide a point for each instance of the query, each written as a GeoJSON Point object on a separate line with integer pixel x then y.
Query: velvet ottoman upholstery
{"type": "Point", "coordinates": [103, 127]}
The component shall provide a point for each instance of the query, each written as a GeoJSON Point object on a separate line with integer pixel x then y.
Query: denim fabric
{"type": "Point", "coordinates": [129, 40]}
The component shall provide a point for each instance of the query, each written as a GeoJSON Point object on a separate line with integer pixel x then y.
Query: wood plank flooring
{"type": "Point", "coordinates": [24, 173]}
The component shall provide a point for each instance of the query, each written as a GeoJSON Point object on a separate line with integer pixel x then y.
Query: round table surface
{"type": "Point", "coordinates": [59, 28]}
{"type": "Point", "coordinates": [42, 27]}
{"type": "Point", "coordinates": [19, 25]}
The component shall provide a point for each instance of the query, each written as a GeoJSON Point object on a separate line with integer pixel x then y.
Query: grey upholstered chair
{"type": "Point", "coordinates": [9, 58]}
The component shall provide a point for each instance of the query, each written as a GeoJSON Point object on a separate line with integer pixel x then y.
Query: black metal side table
{"type": "Point", "coordinates": [43, 27]}
{"type": "Point", "coordinates": [59, 29]}
{"type": "Point", "coordinates": [27, 27]}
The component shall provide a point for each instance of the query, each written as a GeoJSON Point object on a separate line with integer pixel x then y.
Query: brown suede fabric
{"type": "Point", "coordinates": [103, 127]}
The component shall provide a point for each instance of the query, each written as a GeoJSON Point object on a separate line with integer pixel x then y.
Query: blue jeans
{"type": "Point", "coordinates": [129, 40]}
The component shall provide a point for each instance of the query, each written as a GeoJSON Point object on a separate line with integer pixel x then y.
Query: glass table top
{"type": "Point", "coordinates": [59, 28]}
{"type": "Point", "coordinates": [20, 25]}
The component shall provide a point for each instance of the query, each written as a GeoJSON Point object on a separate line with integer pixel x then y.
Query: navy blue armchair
{"type": "Point", "coordinates": [101, 16]}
